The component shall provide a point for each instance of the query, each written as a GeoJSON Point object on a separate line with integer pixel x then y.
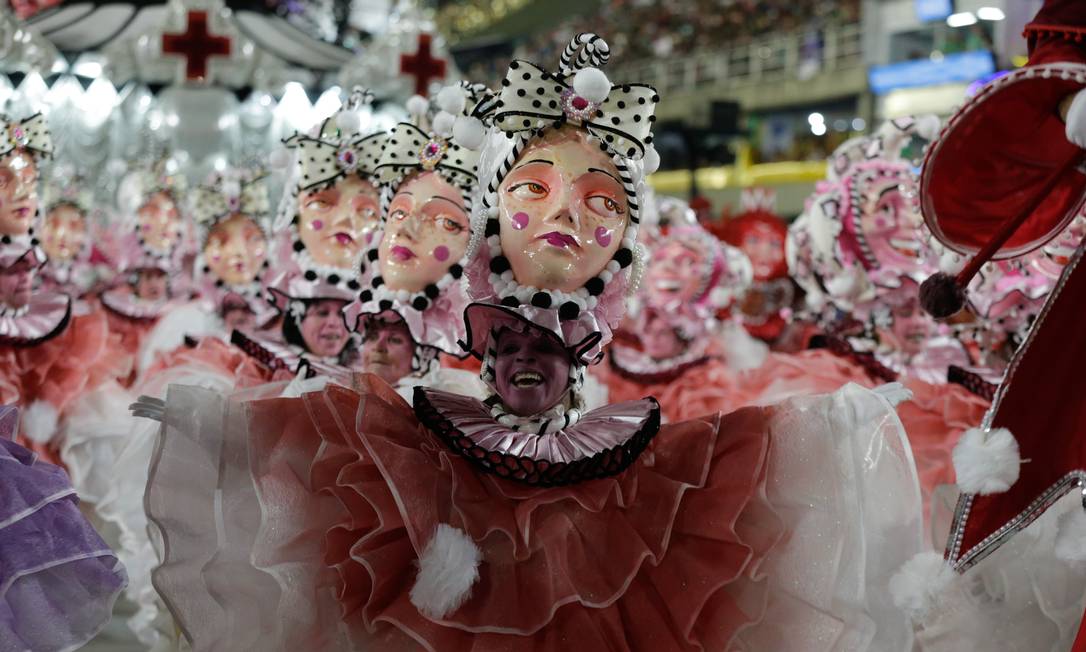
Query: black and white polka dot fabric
{"type": "Point", "coordinates": [31, 134]}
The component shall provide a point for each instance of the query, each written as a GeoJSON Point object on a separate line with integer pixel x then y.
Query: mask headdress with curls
{"type": "Point", "coordinates": [340, 147]}
{"type": "Point", "coordinates": [433, 315]}
{"type": "Point", "coordinates": [561, 443]}
{"type": "Point", "coordinates": [240, 191]}
{"type": "Point", "coordinates": [160, 176]}
{"type": "Point", "coordinates": [721, 278]}
{"type": "Point", "coordinates": [65, 187]}
{"type": "Point", "coordinates": [618, 119]}
{"type": "Point", "coordinates": [853, 264]}
{"type": "Point", "coordinates": [30, 136]}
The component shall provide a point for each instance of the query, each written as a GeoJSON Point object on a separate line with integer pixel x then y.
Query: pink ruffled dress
{"type": "Point", "coordinates": [723, 532]}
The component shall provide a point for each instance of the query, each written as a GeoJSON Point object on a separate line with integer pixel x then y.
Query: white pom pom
{"type": "Point", "coordinates": [469, 132]}
{"type": "Point", "coordinates": [720, 297]}
{"type": "Point", "coordinates": [231, 188]}
{"type": "Point", "coordinates": [279, 158]}
{"type": "Point", "coordinates": [927, 126]}
{"type": "Point", "coordinates": [348, 121]}
{"type": "Point", "coordinates": [651, 160]}
{"type": "Point", "coordinates": [591, 84]}
{"type": "Point", "coordinates": [443, 124]}
{"type": "Point", "coordinates": [1071, 535]}
{"type": "Point", "coordinates": [417, 105]}
{"type": "Point", "coordinates": [916, 586]}
{"type": "Point", "coordinates": [452, 99]}
{"type": "Point", "coordinates": [986, 462]}
{"type": "Point", "coordinates": [951, 262]}
{"type": "Point", "coordinates": [40, 422]}
{"type": "Point", "coordinates": [448, 567]}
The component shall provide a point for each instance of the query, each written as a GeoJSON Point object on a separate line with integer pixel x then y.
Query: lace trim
{"type": "Point", "coordinates": [663, 372]}
{"type": "Point", "coordinates": [867, 360]}
{"type": "Point", "coordinates": [537, 473]}
{"type": "Point", "coordinates": [971, 381]}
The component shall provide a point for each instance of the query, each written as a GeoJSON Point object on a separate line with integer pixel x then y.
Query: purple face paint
{"type": "Point", "coordinates": [520, 220]}
{"type": "Point", "coordinates": [441, 253]}
{"type": "Point", "coordinates": [317, 225]}
{"type": "Point", "coordinates": [603, 237]}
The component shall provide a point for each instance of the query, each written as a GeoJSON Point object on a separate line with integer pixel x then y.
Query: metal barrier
{"type": "Point", "coordinates": [775, 58]}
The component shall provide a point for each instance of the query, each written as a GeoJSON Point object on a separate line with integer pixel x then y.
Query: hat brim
{"type": "Point", "coordinates": [481, 318]}
{"type": "Point", "coordinates": [993, 157]}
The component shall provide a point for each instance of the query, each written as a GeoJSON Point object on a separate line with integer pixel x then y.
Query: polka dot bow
{"type": "Point", "coordinates": [29, 134]}
{"type": "Point", "coordinates": [409, 149]}
{"type": "Point", "coordinates": [619, 115]}
{"type": "Point", "coordinates": [225, 196]}
{"type": "Point", "coordinates": [322, 161]}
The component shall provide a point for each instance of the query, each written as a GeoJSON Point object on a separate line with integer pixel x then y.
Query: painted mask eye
{"type": "Point", "coordinates": [529, 190]}
{"type": "Point", "coordinates": [604, 205]}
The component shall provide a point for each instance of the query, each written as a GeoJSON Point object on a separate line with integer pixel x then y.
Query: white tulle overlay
{"type": "Point", "coordinates": [1021, 598]}
{"type": "Point", "coordinates": [244, 566]}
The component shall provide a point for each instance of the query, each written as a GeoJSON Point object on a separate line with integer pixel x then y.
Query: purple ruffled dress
{"type": "Point", "coordinates": [58, 579]}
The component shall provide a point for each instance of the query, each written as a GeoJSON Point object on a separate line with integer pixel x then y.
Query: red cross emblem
{"type": "Point", "coordinates": [422, 66]}
{"type": "Point", "coordinates": [197, 45]}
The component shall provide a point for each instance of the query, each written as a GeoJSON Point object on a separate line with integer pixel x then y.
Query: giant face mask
{"type": "Point", "coordinates": [531, 371]}
{"type": "Point", "coordinates": [890, 225]}
{"type": "Point", "coordinates": [16, 284]}
{"type": "Point", "coordinates": [563, 211]}
{"type": "Point", "coordinates": [426, 232]}
{"type": "Point", "coordinates": [236, 249]}
{"type": "Point", "coordinates": [18, 193]}
{"type": "Point", "coordinates": [675, 274]}
{"type": "Point", "coordinates": [64, 233]}
{"type": "Point", "coordinates": [159, 223]}
{"type": "Point", "coordinates": [336, 222]}
{"type": "Point", "coordinates": [659, 338]}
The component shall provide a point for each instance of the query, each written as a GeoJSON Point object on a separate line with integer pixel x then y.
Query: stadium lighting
{"type": "Point", "coordinates": [819, 129]}
{"type": "Point", "coordinates": [961, 19]}
{"type": "Point", "coordinates": [816, 119]}
{"type": "Point", "coordinates": [990, 13]}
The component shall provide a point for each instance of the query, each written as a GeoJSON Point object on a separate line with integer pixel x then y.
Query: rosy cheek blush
{"type": "Point", "coordinates": [603, 237]}
{"type": "Point", "coordinates": [441, 253]}
{"type": "Point", "coordinates": [520, 220]}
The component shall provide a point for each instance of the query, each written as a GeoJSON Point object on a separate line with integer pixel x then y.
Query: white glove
{"type": "Point", "coordinates": [149, 407]}
{"type": "Point", "coordinates": [1076, 120]}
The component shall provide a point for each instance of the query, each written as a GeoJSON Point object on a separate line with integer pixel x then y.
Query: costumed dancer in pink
{"type": "Point", "coordinates": [524, 520]}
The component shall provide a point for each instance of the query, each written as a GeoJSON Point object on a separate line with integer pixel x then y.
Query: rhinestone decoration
{"type": "Point", "coordinates": [348, 159]}
{"type": "Point", "coordinates": [234, 203]}
{"type": "Point", "coordinates": [576, 107]}
{"type": "Point", "coordinates": [431, 153]}
{"type": "Point", "coordinates": [19, 135]}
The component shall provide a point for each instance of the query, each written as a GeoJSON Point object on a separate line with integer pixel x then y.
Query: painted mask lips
{"type": "Point", "coordinates": [908, 248]}
{"type": "Point", "coordinates": [562, 240]}
{"type": "Point", "coordinates": [343, 238]}
{"type": "Point", "coordinates": [401, 254]}
{"type": "Point", "coordinates": [526, 379]}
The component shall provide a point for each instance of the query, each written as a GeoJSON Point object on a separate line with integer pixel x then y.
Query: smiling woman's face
{"type": "Point", "coordinates": [387, 349]}
{"type": "Point", "coordinates": [322, 328]}
{"type": "Point", "coordinates": [563, 211]}
{"type": "Point", "coordinates": [531, 371]}
{"type": "Point", "coordinates": [335, 223]}
{"type": "Point", "coordinates": [18, 193]}
{"type": "Point", "coordinates": [426, 232]}
{"type": "Point", "coordinates": [17, 283]}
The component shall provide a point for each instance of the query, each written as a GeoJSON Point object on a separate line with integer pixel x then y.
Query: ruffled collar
{"type": "Point", "coordinates": [281, 356]}
{"type": "Point", "coordinates": [45, 317]}
{"type": "Point", "coordinates": [602, 443]}
{"type": "Point", "coordinates": [639, 367]}
{"type": "Point", "coordinates": [124, 302]}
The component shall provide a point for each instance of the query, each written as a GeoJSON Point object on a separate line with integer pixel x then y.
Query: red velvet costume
{"type": "Point", "coordinates": [1005, 155]}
